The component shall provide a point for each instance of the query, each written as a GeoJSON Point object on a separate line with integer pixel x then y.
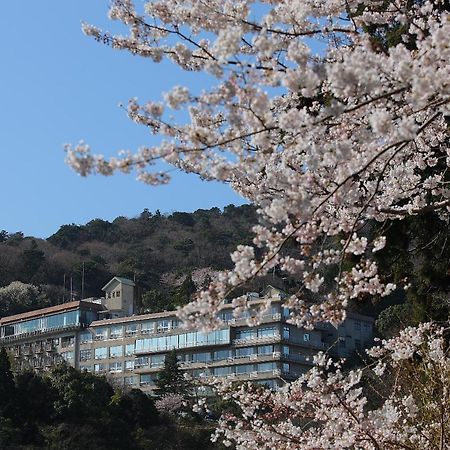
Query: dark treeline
{"type": "Point", "coordinates": [68, 409]}
{"type": "Point", "coordinates": [159, 251]}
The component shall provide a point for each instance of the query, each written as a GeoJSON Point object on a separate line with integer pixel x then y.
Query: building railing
{"type": "Point", "coordinates": [257, 339]}
{"type": "Point", "coordinates": [43, 331]}
{"type": "Point", "coordinates": [236, 321]}
{"type": "Point", "coordinates": [308, 343]}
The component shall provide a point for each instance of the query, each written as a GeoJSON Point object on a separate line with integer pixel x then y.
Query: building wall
{"type": "Point", "coordinates": [131, 350]}
{"type": "Point", "coordinates": [119, 298]}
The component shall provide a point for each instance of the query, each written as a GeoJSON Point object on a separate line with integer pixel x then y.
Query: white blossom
{"type": "Point", "coordinates": [323, 143]}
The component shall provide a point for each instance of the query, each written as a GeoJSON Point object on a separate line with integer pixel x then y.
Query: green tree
{"type": "Point", "coordinates": [155, 300]}
{"type": "Point", "coordinates": [33, 260]}
{"type": "Point", "coordinates": [135, 408]}
{"type": "Point", "coordinates": [185, 246]}
{"type": "Point", "coordinates": [184, 293]}
{"type": "Point", "coordinates": [171, 379]}
{"type": "Point", "coordinates": [80, 395]}
{"type": "Point", "coordinates": [7, 387]}
{"type": "Point", "coordinates": [34, 398]}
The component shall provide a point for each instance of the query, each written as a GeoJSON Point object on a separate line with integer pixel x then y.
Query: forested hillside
{"type": "Point", "coordinates": [160, 251]}
{"type": "Point", "coordinates": [172, 255]}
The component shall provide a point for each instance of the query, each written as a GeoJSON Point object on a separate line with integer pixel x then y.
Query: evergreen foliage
{"type": "Point", "coordinates": [68, 409]}
{"type": "Point", "coordinates": [7, 388]}
{"type": "Point", "coordinates": [171, 379]}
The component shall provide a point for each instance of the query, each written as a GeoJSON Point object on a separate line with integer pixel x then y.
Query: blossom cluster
{"type": "Point", "coordinates": [330, 408]}
{"type": "Point", "coordinates": [170, 403]}
{"type": "Point", "coordinates": [310, 118]}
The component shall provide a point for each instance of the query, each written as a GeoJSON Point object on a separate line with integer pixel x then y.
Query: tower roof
{"type": "Point", "coordinates": [118, 280]}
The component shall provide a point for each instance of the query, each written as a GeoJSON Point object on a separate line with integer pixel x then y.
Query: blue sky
{"type": "Point", "coordinates": [58, 86]}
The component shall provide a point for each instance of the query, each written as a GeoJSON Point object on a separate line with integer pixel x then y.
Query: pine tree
{"type": "Point", "coordinates": [184, 293]}
{"type": "Point", "coordinates": [171, 379]}
{"type": "Point", "coordinates": [7, 387]}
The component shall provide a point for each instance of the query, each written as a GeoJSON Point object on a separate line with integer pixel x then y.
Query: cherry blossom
{"type": "Point", "coordinates": [400, 400]}
{"type": "Point", "coordinates": [322, 127]}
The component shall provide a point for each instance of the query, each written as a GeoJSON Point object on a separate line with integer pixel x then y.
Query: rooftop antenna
{"type": "Point", "coordinates": [71, 288]}
{"type": "Point", "coordinates": [64, 289]}
{"type": "Point", "coordinates": [82, 283]}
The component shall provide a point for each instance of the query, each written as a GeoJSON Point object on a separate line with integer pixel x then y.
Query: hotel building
{"type": "Point", "coordinates": [102, 336]}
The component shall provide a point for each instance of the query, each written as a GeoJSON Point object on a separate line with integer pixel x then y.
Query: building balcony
{"type": "Point", "coordinates": [309, 344]}
{"type": "Point", "coordinates": [265, 318]}
{"type": "Point", "coordinates": [304, 359]}
{"type": "Point", "coordinates": [42, 332]}
{"type": "Point", "coordinates": [256, 340]}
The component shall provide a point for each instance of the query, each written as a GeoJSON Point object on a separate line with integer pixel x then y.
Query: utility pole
{"type": "Point", "coordinates": [82, 283]}
{"type": "Point", "coordinates": [64, 289]}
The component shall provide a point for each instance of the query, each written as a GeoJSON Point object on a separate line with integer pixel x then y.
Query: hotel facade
{"type": "Point", "coordinates": [103, 336]}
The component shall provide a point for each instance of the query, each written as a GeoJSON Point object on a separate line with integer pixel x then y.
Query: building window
{"type": "Point", "coordinates": [116, 351]}
{"type": "Point", "coordinates": [244, 368]}
{"type": "Point", "coordinates": [85, 354]}
{"type": "Point", "coordinates": [131, 329]}
{"type": "Point", "coordinates": [221, 354]}
{"type": "Point", "coordinates": [129, 349]}
{"type": "Point", "coordinates": [286, 332]}
{"type": "Point", "coordinates": [226, 315]}
{"type": "Point", "coordinates": [201, 357]}
{"type": "Point", "coordinates": [265, 349]}
{"type": "Point", "coordinates": [246, 334]}
{"type": "Point", "coordinates": [129, 365]}
{"type": "Point", "coordinates": [141, 362]}
{"type": "Point", "coordinates": [148, 327]}
{"type": "Point", "coordinates": [117, 293]}
{"type": "Point", "coordinates": [200, 373]}
{"type": "Point", "coordinates": [357, 324]}
{"type": "Point", "coordinates": [130, 381]}
{"type": "Point", "coordinates": [99, 368]}
{"type": "Point", "coordinates": [101, 334]}
{"type": "Point", "coordinates": [115, 367]}
{"type": "Point", "coordinates": [116, 332]}
{"type": "Point", "coordinates": [146, 380]}
{"type": "Point", "coordinates": [286, 368]}
{"type": "Point", "coordinates": [67, 341]}
{"type": "Point", "coordinates": [68, 356]}
{"type": "Point", "coordinates": [85, 337]}
{"type": "Point", "coordinates": [267, 367]}
{"type": "Point", "coordinates": [222, 371]}
{"type": "Point", "coordinates": [101, 353]}
{"type": "Point", "coordinates": [266, 332]}
{"type": "Point", "coordinates": [245, 351]}
{"type": "Point", "coordinates": [306, 337]}
{"type": "Point", "coordinates": [163, 326]}
{"type": "Point", "coordinates": [157, 360]}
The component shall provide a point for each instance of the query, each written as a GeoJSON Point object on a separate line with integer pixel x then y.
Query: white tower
{"type": "Point", "coordinates": [119, 297]}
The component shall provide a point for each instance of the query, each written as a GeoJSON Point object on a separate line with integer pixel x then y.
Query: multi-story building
{"type": "Point", "coordinates": [101, 336]}
{"type": "Point", "coordinates": [40, 339]}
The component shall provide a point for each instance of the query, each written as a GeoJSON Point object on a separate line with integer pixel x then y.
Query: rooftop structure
{"type": "Point", "coordinates": [130, 350]}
